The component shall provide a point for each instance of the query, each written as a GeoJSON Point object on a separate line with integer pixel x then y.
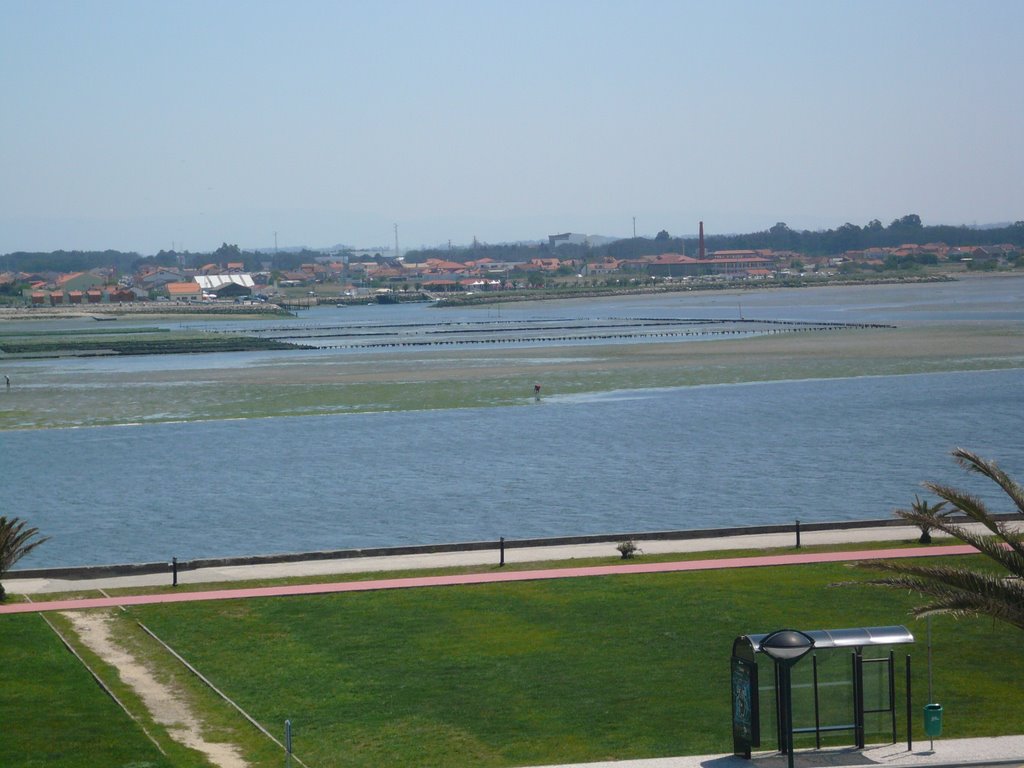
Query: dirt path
{"type": "Point", "coordinates": [166, 704]}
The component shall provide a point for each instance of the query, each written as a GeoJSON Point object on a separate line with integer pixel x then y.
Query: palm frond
{"type": "Point", "coordinates": [965, 591]}
{"type": "Point", "coordinates": [947, 579]}
{"type": "Point", "coordinates": [16, 541]}
{"type": "Point", "coordinates": [992, 546]}
{"type": "Point", "coordinates": [965, 607]}
{"type": "Point", "coordinates": [974, 463]}
{"type": "Point", "coordinates": [956, 591]}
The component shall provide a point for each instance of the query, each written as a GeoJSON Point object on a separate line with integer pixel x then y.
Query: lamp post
{"type": "Point", "coordinates": [786, 647]}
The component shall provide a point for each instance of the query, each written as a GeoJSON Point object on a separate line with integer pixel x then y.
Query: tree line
{"type": "Point", "coordinates": [780, 237]}
{"type": "Point", "coordinates": [129, 262]}
{"type": "Point", "coordinates": [849, 237]}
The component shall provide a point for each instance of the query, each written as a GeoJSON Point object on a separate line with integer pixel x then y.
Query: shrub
{"type": "Point", "coordinates": [628, 549]}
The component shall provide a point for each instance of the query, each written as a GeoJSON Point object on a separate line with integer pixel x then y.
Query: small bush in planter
{"type": "Point", "coordinates": [628, 549]}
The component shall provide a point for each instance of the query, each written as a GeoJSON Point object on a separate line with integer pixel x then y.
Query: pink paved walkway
{"type": "Point", "coordinates": [482, 578]}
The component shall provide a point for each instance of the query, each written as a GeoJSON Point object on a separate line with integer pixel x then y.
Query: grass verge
{"type": "Point", "coordinates": [530, 673]}
{"type": "Point", "coordinates": [551, 672]}
{"type": "Point", "coordinates": [53, 712]}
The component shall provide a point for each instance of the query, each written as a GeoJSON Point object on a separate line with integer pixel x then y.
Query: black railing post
{"type": "Point", "coordinates": [910, 713]}
{"type": "Point", "coordinates": [502, 545]}
{"type": "Point", "coordinates": [858, 697]}
{"type": "Point", "coordinates": [892, 692]}
{"type": "Point", "coordinates": [798, 534]}
{"type": "Point", "coordinates": [780, 708]}
{"type": "Point", "coordinates": [817, 711]}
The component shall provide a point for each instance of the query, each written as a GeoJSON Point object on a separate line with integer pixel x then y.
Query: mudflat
{"type": "Point", "coordinates": [49, 394]}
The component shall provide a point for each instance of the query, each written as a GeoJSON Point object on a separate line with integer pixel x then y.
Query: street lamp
{"type": "Point", "coordinates": [786, 647]}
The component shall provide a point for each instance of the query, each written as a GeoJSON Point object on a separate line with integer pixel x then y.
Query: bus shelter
{"type": "Point", "coordinates": [838, 681]}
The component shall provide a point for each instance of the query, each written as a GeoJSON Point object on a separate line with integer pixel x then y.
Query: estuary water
{"type": "Point", "coordinates": [627, 461]}
{"type": "Point", "coordinates": [697, 457]}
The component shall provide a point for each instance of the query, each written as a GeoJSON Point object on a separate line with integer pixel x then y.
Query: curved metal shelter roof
{"type": "Point", "coordinates": [857, 637]}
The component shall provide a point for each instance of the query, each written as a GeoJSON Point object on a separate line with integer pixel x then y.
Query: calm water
{"type": "Point", "coordinates": [628, 461]}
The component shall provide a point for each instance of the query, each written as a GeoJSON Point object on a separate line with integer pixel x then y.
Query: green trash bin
{"type": "Point", "coordinates": [932, 720]}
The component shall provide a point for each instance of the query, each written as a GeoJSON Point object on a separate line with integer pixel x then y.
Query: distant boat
{"type": "Point", "coordinates": [102, 318]}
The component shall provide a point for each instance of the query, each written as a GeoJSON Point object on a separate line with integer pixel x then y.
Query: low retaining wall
{"type": "Point", "coordinates": [132, 569]}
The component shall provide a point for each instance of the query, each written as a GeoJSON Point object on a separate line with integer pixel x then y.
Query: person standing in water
{"type": "Point", "coordinates": [536, 391]}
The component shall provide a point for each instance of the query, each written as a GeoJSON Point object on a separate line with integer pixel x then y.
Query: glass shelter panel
{"type": "Point", "coordinates": [878, 698]}
{"type": "Point", "coordinates": [803, 701]}
{"type": "Point", "coordinates": [767, 688]}
{"type": "Point", "coordinates": [830, 707]}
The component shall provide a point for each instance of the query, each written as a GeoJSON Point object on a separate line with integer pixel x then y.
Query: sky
{"type": "Point", "coordinates": [142, 126]}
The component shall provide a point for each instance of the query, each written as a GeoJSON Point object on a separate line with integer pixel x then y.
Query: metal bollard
{"type": "Point", "coordinates": [798, 534]}
{"type": "Point", "coordinates": [501, 543]}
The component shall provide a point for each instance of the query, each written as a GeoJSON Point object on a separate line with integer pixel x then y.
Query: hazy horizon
{"type": "Point", "coordinates": [387, 248]}
{"type": "Point", "coordinates": [146, 126]}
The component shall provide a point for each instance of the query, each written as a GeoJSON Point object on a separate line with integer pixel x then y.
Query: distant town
{"type": "Point", "coordinates": [565, 261]}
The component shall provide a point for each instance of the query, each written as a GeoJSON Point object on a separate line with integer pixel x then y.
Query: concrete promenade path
{"type": "Point", "coordinates": [485, 577]}
{"type": "Point", "coordinates": [462, 558]}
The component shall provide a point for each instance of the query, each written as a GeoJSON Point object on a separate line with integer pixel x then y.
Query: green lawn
{"type": "Point", "coordinates": [496, 675]}
{"type": "Point", "coordinates": [548, 672]}
{"type": "Point", "coordinates": [52, 711]}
